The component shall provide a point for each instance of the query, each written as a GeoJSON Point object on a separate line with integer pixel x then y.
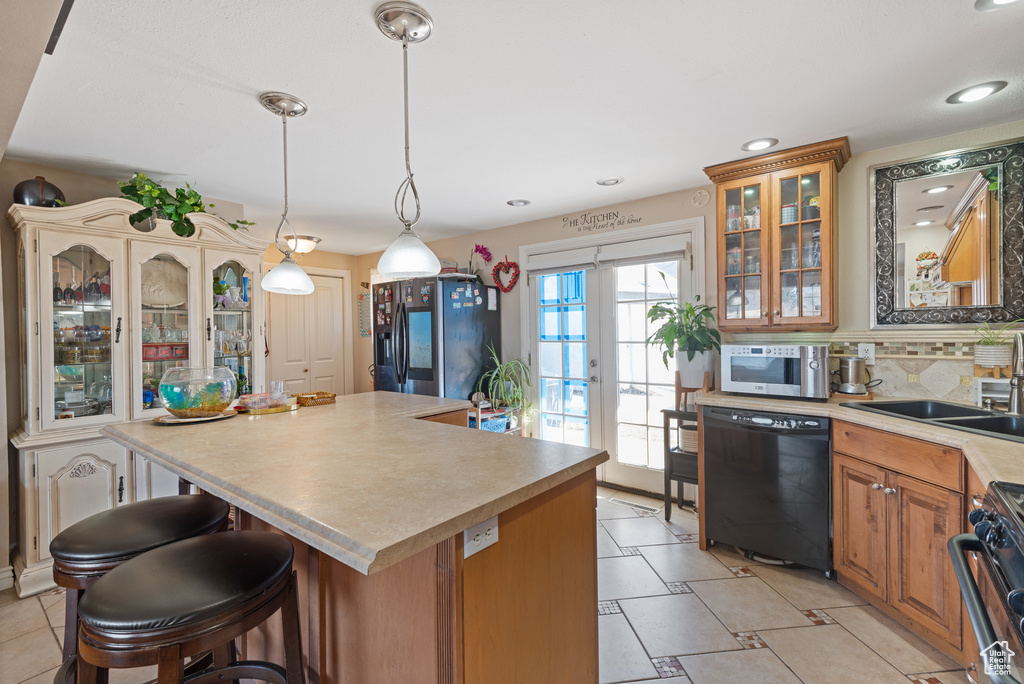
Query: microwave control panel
{"type": "Point", "coordinates": [785, 352]}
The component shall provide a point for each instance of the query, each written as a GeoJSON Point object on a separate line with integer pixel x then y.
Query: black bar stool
{"type": "Point", "coordinates": [187, 598]}
{"type": "Point", "coordinates": [90, 548]}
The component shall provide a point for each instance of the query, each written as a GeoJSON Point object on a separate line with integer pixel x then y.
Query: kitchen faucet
{"type": "Point", "coordinates": [1017, 380]}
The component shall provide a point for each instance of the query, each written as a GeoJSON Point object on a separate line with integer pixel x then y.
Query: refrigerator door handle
{"type": "Point", "coordinates": [401, 334]}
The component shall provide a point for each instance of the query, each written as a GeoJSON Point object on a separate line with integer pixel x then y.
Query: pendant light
{"type": "Point", "coordinates": [407, 257]}
{"type": "Point", "coordinates": [285, 278]}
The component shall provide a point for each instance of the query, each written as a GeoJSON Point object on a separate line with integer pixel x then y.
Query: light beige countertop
{"type": "Point", "coordinates": [991, 458]}
{"type": "Point", "coordinates": [361, 480]}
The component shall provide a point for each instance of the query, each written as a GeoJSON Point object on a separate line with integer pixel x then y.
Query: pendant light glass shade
{"type": "Point", "coordinates": [408, 257]}
{"type": "Point", "coordinates": [287, 278]}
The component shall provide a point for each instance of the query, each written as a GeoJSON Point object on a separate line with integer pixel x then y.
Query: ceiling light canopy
{"type": "Point", "coordinates": [932, 208]}
{"type": "Point", "coordinates": [923, 223]}
{"type": "Point", "coordinates": [976, 92]}
{"type": "Point", "coordinates": [611, 180]}
{"type": "Point", "coordinates": [759, 144]}
{"type": "Point", "coordinates": [518, 203]}
{"type": "Point", "coordinates": [937, 189]}
{"type": "Point", "coordinates": [992, 5]}
{"type": "Point", "coordinates": [285, 278]}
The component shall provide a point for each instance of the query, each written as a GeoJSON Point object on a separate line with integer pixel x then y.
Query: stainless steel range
{"type": "Point", "coordinates": [995, 597]}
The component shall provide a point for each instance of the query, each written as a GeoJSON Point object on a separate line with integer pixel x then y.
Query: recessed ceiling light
{"type": "Point", "coordinates": [923, 223]}
{"type": "Point", "coordinates": [976, 92]}
{"type": "Point", "coordinates": [990, 5]}
{"type": "Point", "coordinates": [759, 144]}
{"type": "Point", "coordinates": [938, 189]}
{"type": "Point", "coordinates": [932, 208]}
{"type": "Point", "coordinates": [517, 203]}
{"type": "Point", "coordinates": [610, 180]}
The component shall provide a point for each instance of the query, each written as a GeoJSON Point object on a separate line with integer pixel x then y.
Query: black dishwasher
{"type": "Point", "coordinates": [768, 484]}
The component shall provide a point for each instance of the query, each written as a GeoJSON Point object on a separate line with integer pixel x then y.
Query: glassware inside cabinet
{"type": "Point", "coordinates": [164, 323]}
{"type": "Point", "coordinates": [233, 322]}
{"type": "Point", "coordinates": [82, 344]}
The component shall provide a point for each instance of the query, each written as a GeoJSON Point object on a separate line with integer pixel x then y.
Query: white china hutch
{"type": "Point", "coordinates": [106, 308]}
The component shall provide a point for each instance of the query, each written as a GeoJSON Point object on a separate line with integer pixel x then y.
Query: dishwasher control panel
{"type": "Point", "coordinates": [779, 421]}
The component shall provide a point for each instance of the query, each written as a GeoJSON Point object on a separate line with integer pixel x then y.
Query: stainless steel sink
{"type": "Point", "coordinates": [1001, 425]}
{"type": "Point", "coordinates": [921, 409]}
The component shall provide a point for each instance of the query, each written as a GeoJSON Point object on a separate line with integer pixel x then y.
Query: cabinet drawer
{"type": "Point", "coordinates": [933, 463]}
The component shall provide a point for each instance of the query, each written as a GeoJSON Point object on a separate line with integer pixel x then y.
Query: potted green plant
{"type": "Point", "coordinates": [507, 386]}
{"type": "Point", "coordinates": [685, 334]}
{"type": "Point", "coordinates": [994, 345]}
{"type": "Point", "coordinates": [159, 202]}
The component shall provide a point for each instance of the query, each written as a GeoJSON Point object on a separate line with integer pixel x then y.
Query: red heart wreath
{"type": "Point", "coordinates": [506, 266]}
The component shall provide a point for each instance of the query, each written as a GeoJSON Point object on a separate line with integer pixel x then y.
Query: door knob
{"type": "Point", "coordinates": [593, 378]}
{"type": "Point", "coordinates": [889, 490]}
{"type": "Point", "coordinates": [593, 363]}
{"type": "Point", "coordinates": [876, 486]}
{"type": "Point", "coordinates": [305, 370]}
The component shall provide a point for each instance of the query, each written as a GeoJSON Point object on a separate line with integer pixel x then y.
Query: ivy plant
{"type": "Point", "coordinates": [159, 202]}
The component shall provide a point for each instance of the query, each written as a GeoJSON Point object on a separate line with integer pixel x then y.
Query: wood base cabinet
{"type": "Point", "coordinates": [891, 529]}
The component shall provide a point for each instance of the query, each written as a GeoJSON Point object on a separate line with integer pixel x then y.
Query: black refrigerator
{"type": "Point", "coordinates": [432, 336]}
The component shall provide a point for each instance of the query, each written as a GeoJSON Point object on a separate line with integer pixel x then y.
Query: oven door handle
{"type": "Point", "coordinates": [958, 547]}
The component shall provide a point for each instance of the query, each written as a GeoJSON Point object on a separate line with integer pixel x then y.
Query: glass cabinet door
{"type": "Point", "coordinates": [802, 245]}
{"type": "Point", "coordinates": [231, 327]}
{"type": "Point", "coordinates": [166, 279]}
{"type": "Point", "coordinates": [743, 259]}
{"type": "Point", "coordinates": [82, 359]}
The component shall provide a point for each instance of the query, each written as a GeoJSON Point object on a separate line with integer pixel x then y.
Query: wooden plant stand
{"type": "Point", "coordinates": [995, 371]}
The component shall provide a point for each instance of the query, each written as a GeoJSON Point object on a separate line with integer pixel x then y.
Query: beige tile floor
{"type": "Point", "coordinates": [671, 612]}
{"type": "Point", "coordinates": [668, 612]}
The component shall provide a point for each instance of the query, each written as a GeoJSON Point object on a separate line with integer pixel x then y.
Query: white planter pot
{"type": "Point", "coordinates": [988, 356]}
{"type": "Point", "coordinates": [691, 373]}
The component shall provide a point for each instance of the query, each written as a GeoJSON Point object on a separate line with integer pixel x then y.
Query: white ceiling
{"type": "Point", "coordinates": [533, 99]}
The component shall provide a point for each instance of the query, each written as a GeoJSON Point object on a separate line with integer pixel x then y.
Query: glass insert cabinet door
{"type": "Point", "coordinates": [165, 331]}
{"type": "Point", "coordinates": [230, 325]}
{"type": "Point", "coordinates": [82, 357]}
{"type": "Point", "coordinates": [743, 256]}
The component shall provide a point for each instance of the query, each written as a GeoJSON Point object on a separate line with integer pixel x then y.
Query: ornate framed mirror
{"type": "Point", "coordinates": [949, 237]}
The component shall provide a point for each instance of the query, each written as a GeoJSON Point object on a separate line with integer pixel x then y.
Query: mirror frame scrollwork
{"type": "Point", "coordinates": [1009, 158]}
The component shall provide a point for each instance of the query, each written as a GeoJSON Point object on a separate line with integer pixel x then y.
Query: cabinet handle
{"type": "Point", "coordinates": [775, 312]}
{"type": "Point", "coordinates": [978, 500]}
{"type": "Point", "coordinates": [208, 333]}
{"type": "Point", "coordinates": [764, 314]}
{"type": "Point", "coordinates": [120, 489]}
{"type": "Point", "coordinates": [876, 486]}
{"type": "Point", "coordinates": [889, 490]}
{"type": "Point", "coordinates": [117, 332]}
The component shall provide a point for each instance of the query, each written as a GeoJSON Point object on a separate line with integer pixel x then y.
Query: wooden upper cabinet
{"type": "Point", "coordinates": [775, 223]}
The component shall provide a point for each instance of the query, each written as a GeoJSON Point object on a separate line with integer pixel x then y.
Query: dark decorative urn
{"type": "Point", "coordinates": [38, 193]}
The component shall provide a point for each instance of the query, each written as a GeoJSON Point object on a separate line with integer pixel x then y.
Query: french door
{"type": "Point", "coordinates": [597, 382]}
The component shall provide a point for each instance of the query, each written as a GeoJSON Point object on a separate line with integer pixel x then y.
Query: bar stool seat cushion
{"type": "Point", "coordinates": [186, 582]}
{"type": "Point", "coordinates": [127, 531]}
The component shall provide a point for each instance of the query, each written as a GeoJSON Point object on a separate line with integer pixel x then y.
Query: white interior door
{"type": "Point", "coordinates": [307, 340]}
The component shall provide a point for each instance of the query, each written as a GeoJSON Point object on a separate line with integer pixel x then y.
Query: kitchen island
{"type": "Point", "coordinates": [375, 502]}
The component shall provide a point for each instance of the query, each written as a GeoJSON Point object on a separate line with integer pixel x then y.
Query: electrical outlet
{"type": "Point", "coordinates": [866, 351]}
{"type": "Point", "coordinates": [479, 537]}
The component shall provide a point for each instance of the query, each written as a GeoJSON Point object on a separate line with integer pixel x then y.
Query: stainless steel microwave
{"type": "Point", "coordinates": [781, 370]}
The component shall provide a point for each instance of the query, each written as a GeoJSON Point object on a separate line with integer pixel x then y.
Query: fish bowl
{"type": "Point", "coordinates": [198, 392]}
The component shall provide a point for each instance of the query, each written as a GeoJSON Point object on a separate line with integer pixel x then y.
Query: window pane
{"type": "Point", "coordinates": [575, 323]}
{"type": "Point", "coordinates": [812, 293]}
{"type": "Point", "coordinates": [576, 397]}
{"type": "Point", "coordinates": [631, 322]}
{"type": "Point", "coordinates": [788, 248]}
{"type": "Point", "coordinates": [632, 362]}
{"type": "Point", "coordinates": [733, 298]}
{"type": "Point", "coordinates": [629, 282]}
{"type": "Point", "coordinates": [551, 395]}
{"type": "Point", "coordinates": [549, 289]}
{"type": "Point", "coordinates": [752, 253]}
{"type": "Point", "coordinates": [551, 427]}
{"type": "Point", "coordinates": [632, 403]}
{"type": "Point", "coordinates": [577, 431]}
{"type": "Point", "coordinates": [656, 448]}
{"type": "Point", "coordinates": [631, 445]}
{"type": "Point", "coordinates": [551, 359]}
{"type": "Point", "coordinates": [656, 367]}
{"type": "Point", "coordinates": [790, 304]}
{"type": "Point", "coordinates": [550, 322]}
{"type": "Point", "coordinates": [752, 285]}
{"type": "Point", "coordinates": [574, 292]}
{"type": "Point", "coordinates": [575, 366]}
{"type": "Point", "coordinates": [812, 245]}
{"type": "Point", "coordinates": [659, 397]}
